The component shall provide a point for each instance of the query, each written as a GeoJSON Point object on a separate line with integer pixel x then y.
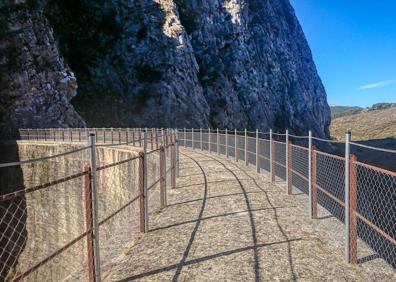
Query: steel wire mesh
{"type": "Point", "coordinates": [376, 208]}
{"type": "Point", "coordinates": [330, 182]}
{"type": "Point", "coordinates": [299, 165]}
{"type": "Point", "coordinates": [37, 224]}
{"type": "Point", "coordinates": [264, 152]}
{"type": "Point", "coordinates": [280, 159]}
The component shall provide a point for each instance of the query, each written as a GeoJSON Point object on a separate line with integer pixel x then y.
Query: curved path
{"type": "Point", "coordinates": [225, 222]}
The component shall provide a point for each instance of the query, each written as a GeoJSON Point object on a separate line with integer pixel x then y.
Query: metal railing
{"type": "Point", "coordinates": [360, 195]}
{"type": "Point", "coordinates": [47, 226]}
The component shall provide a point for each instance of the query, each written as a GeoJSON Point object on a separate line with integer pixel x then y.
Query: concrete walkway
{"type": "Point", "coordinates": [225, 222]}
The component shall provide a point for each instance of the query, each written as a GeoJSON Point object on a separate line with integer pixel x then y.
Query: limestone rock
{"type": "Point", "coordinates": [171, 63]}
{"type": "Point", "coordinates": [36, 85]}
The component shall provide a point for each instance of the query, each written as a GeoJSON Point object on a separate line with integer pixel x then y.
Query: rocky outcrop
{"type": "Point", "coordinates": [190, 63]}
{"type": "Point", "coordinates": [256, 67]}
{"type": "Point", "coordinates": [36, 85]}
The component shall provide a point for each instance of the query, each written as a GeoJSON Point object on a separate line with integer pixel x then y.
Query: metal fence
{"type": "Point", "coordinates": [71, 221]}
{"type": "Point", "coordinates": [38, 242]}
{"type": "Point", "coordinates": [360, 195]}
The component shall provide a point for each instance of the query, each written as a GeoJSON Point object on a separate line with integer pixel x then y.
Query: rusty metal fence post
{"type": "Point", "coordinates": [89, 224]}
{"type": "Point", "coordinates": [94, 201]}
{"type": "Point", "coordinates": [347, 187]}
{"type": "Point", "coordinates": [287, 159]}
{"type": "Point", "coordinates": [314, 186]}
{"type": "Point", "coordinates": [200, 138]}
{"type": "Point", "coordinates": [310, 207]}
{"type": "Point", "coordinates": [140, 136]}
{"type": "Point", "coordinates": [226, 142]}
{"type": "Point", "coordinates": [272, 156]}
{"type": "Point", "coordinates": [156, 138]}
{"type": "Point", "coordinates": [184, 137]}
{"type": "Point", "coordinates": [353, 210]}
{"type": "Point", "coordinates": [289, 167]}
{"type": "Point", "coordinates": [162, 176]}
{"type": "Point", "coordinates": [235, 145]}
{"type": "Point", "coordinates": [142, 200]}
{"type": "Point", "coordinates": [163, 140]}
{"type": "Point", "coordinates": [257, 152]}
{"type": "Point", "coordinates": [177, 153]}
{"type": "Point", "coordinates": [172, 163]}
{"type": "Point", "coordinates": [246, 148]}
{"type": "Point", "coordinates": [218, 141]}
{"type": "Point", "coordinates": [151, 139]}
{"type": "Point", "coordinates": [210, 140]}
{"type": "Point", "coordinates": [192, 138]}
{"type": "Point", "coordinates": [145, 171]}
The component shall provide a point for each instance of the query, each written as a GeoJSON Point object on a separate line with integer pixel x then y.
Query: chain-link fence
{"type": "Point", "coordinates": [68, 211]}
{"type": "Point", "coordinates": [321, 176]}
{"type": "Point", "coordinates": [360, 195]}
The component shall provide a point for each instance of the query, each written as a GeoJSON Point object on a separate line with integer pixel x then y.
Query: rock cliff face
{"type": "Point", "coordinates": [36, 85]}
{"type": "Point", "coordinates": [184, 63]}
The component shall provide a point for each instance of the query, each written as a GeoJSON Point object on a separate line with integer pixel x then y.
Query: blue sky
{"type": "Point", "coordinates": [354, 47]}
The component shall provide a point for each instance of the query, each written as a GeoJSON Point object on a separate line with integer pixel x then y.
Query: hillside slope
{"type": "Point", "coordinates": [366, 125]}
{"type": "Point", "coordinates": [339, 111]}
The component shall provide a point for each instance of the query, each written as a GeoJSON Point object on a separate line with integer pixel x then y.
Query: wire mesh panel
{"type": "Point", "coordinates": [330, 183]}
{"type": "Point", "coordinates": [213, 141]}
{"type": "Point", "coordinates": [251, 148]}
{"type": "Point", "coordinates": [197, 139]}
{"type": "Point", "coordinates": [241, 146]}
{"type": "Point", "coordinates": [299, 165]}
{"type": "Point", "coordinates": [43, 225]}
{"type": "Point", "coordinates": [118, 210]}
{"type": "Point", "coordinates": [205, 140]}
{"type": "Point", "coordinates": [231, 144]}
{"type": "Point", "coordinates": [222, 143]}
{"type": "Point", "coordinates": [264, 153]}
{"type": "Point", "coordinates": [188, 139]}
{"type": "Point", "coordinates": [376, 209]}
{"type": "Point", "coordinates": [280, 159]}
{"type": "Point", "coordinates": [153, 185]}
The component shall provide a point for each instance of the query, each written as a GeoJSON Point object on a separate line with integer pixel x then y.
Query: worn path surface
{"type": "Point", "coordinates": [225, 222]}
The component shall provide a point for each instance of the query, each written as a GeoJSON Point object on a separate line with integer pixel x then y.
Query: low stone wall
{"type": "Point", "coordinates": [54, 216]}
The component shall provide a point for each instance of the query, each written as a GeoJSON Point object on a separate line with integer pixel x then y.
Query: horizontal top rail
{"type": "Point", "coordinates": [373, 148]}
{"type": "Point", "coordinates": [300, 147]}
{"type": "Point", "coordinates": [377, 169]}
{"type": "Point", "coordinates": [329, 155]}
{"type": "Point", "coordinates": [43, 158]}
{"type": "Point", "coordinates": [327, 140]}
{"type": "Point", "coordinates": [297, 136]}
{"type": "Point", "coordinates": [22, 192]}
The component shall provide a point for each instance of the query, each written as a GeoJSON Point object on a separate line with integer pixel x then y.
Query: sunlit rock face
{"type": "Point", "coordinates": [256, 67]}
{"type": "Point", "coordinates": [185, 63]}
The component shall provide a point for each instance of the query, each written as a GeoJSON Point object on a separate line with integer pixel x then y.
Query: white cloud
{"type": "Point", "coordinates": [377, 85]}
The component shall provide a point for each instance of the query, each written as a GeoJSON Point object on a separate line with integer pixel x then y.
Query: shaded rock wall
{"type": "Point", "coordinates": [195, 63]}
{"type": "Point", "coordinates": [36, 85]}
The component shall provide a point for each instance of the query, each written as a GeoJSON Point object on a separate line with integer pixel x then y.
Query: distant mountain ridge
{"type": "Point", "coordinates": [340, 111]}
{"type": "Point", "coordinates": [376, 122]}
